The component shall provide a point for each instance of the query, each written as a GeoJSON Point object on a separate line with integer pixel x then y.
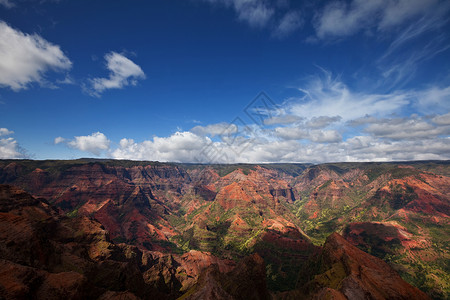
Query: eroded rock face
{"type": "Point", "coordinates": [74, 258]}
{"type": "Point", "coordinates": [47, 255]}
{"type": "Point", "coordinates": [358, 275]}
{"type": "Point", "coordinates": [246, 281]}
{"type": "Point", "coordinates": [21, 282]}
{"type": "Point", "coordinates": [381, 237]}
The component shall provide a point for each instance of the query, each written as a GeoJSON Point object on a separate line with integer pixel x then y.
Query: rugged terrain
{"type": "Point", "coordinates": [177, 230]}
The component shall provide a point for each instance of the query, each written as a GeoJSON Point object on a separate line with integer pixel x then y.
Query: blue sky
{"type": "Point", "coordinates": [183, 80]}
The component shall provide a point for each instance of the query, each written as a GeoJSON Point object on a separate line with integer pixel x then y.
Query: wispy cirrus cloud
{"type": "Point", "coordinates": [432, 100]}
{"type": "Point", "coordinates": [341, 19]}
{"type": "Point", "coordinates": [276, 16]}
{"type": "Point", "coordinates": [401, 22]}
{"type": "Point", "coordinates": [257, 13]}
{"type": "Point", "coordinates": [7, 3]}
{"type": "Point", "coordinates": [401, 60]}
{"type": "Point", "coordinates": [288, 24]}
{"type": "Point", "coordinates": [122, 72]}
{"type": "Point", "coordinates": [26, 58]}
{"type": "Point", "coordinates": [328, 96]}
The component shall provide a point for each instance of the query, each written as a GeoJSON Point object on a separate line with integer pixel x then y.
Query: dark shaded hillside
{"type": "Point", "coordinates": [282, 212]}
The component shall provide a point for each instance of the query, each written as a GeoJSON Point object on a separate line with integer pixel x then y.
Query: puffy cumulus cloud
{"type": "Point", "coordinates": [292, 133]}
{"type": "Point", "coordinates": [179, 147]}
{"type": "Point", "coordinates": [412, 128]}
{"type": "Point", "coordinates": [381, 139]}
{"type": "Point", "coordinates": [219, 129]}
{"type": "Point", "coordinates": [290, 22]}
{"type": "Point", "coordinates": [325, 136]}
{"type": "Point", "coordinates": [340, 19]}
{"type": "Point", "coordinates": [365, 148]}
{"type": "Point", "coordinates": [322, 121]}
{"type": "Point", "coordinates": [122, 72]}
{"type": "Point", "coordinates": [9, 148]}
{"type": "Point", "coordinates": [316, 136]}
{"type": "Point", "coordinates": [95, 143]}
{"type": "Point", "coordinates": [362, 121]}
{"type": "Point", "coordinates": [5, 131]}
{"type": "Point", "coordinates": [442, 119]}
{"type": "Point", "coordinates": [189, 147]}
{"type": "Point", "coordinates": [282, 119]}
{"type": "Point", "coordinates": [59, 140]}
{"type": "Point", "coordinates": [25, 58]}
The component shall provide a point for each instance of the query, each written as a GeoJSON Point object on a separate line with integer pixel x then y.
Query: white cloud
{"type": "Point", "coordinates": [413, 128]}
{"type": "Point", "coordinates": [179, 147]}
{"type": "Point", "coordinates": [218, 129]}
{"type": "Point", "coordinates": [340, 19]}
{"type": "Point", "coordinates": [123, 72]}
{"type": "Point", "coordinates": [265, 14]}
{"type": "Point", "coordinates": [292, 133]}
{"type": "Point", "coordinates": [442, 120]}
{"type": "Point", "coordinates": [433, 100]}
{"type": "Point", "coordinates": [322, 121]}
{"type": "Point", "coordinates": [364, 148]}
{"type": "Point", "coordinates": [9, 149]}
{"type": "Point", "coordinates": [188, 147]}
{"type": "Point", "coordinates": [330, 97]}
{"type": "Point", "coordinates": [26, 58]}
{"type": "Point", "coordinates": [290, 22]}
{"type": "Point", "coordinates": [362, 121]}
{"type": "Point", "coordinates": [5, 131]}
{"type": "Point", "coordinates": [6, 3]}
{"type": "Point", "coordinates": [94, 143]}
{"type": "Point", "coordinates": [300, 133]}
{"type": "Point", "coordinates": [282, 119]}
{"type": "Point", "coordinates": [325, 136]}
{"type": "Point", "coordinates": [256, 13]}
{"type": "Point", "coordinates": [59, 140]}
{"type": "Point", "coordinates": [396, 12]}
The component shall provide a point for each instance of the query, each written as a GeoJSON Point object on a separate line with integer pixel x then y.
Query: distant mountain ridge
{"type": "Point", "coordinates": [396, 211]}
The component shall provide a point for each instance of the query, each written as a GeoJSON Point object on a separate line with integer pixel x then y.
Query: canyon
{"type": "Point", "coordinates": [103, 229]}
